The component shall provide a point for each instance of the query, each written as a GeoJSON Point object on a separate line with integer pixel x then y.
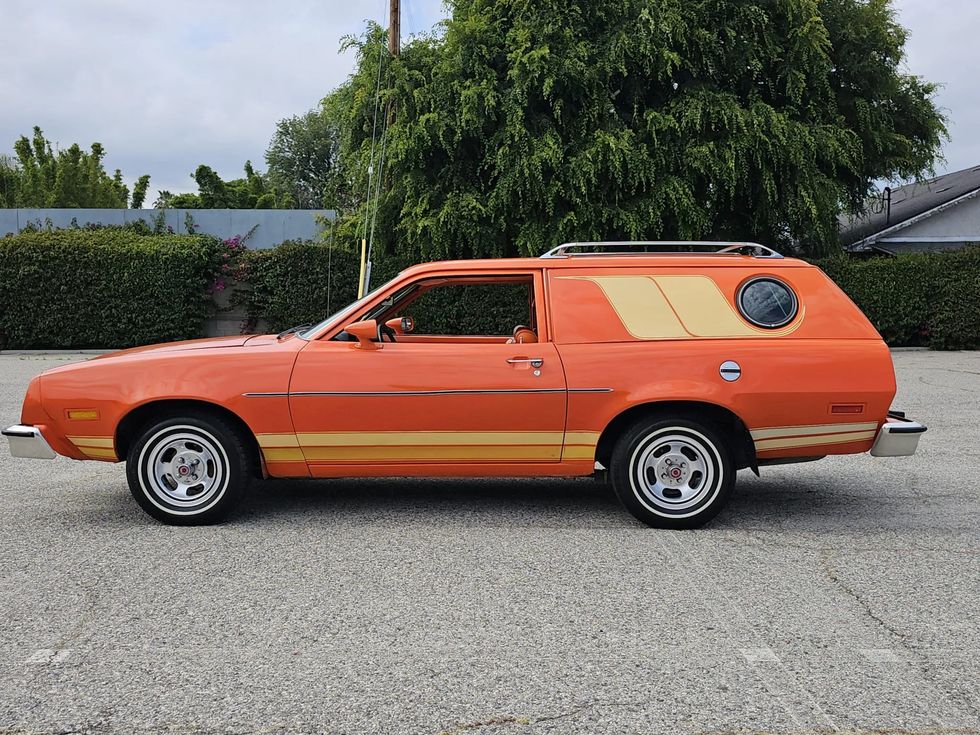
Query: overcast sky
{"type": "Point", "coordinates": [165, 87]}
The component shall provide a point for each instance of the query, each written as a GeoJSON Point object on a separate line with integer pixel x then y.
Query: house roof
{"type": "Point", "coordinates": [912, 201]}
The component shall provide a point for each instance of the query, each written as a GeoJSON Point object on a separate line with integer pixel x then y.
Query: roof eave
{"type": "Point", "coordinates": [867, 244]}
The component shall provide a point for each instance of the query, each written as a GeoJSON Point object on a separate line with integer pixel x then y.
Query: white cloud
{"type": "Point", "coordinates": [942, 48]}
{"type": "Point", "coordinates": [166, 87]}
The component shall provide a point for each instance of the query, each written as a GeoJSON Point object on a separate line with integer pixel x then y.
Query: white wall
{"type": "Point", "coordinates": [963, 220]}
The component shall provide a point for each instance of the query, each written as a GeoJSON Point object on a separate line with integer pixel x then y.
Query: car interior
{"type": "Point", "coordinates": [454, 310]}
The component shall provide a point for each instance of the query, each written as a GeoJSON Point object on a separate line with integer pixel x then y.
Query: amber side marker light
{"type": "Point", "coordinates": [847, 408]}
{"type": "Point", "coordinates": [82, 414]}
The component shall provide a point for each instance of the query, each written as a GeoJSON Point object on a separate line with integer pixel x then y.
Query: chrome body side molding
{"type": "Point", "coordinates": [461, 392]}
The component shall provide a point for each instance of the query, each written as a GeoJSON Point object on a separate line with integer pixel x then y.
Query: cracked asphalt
{"type": "Point", "coordinates": [838, 596]}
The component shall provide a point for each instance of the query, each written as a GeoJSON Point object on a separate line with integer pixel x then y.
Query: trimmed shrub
{"type": "Point", "coordinates": [921, 299]}
{"type": "Point", "coordinates": [298, 283]}
{"type": "Point", "coordinates": [104, 288]}
{"type": "Point", "coordinates": [304, 282]}
{"type": "Point", "coordinates": [119, 288]}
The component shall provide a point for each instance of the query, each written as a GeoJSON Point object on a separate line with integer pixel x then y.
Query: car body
{"type": "Point", "coordinates": [731, 358]}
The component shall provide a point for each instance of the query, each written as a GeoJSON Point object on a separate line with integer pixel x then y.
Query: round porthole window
{"type": "Point", "coordinates": [767, 302]}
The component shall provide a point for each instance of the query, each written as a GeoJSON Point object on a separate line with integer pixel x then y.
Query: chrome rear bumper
{"type": "Point", "coordinates": [28, 442]}
{"type": "Point", "coordinates": [898, 437]}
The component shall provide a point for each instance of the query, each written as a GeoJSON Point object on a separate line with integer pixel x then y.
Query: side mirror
{"type": "Point", "coordinates": [402, 325]}
{"type": "Point", "coordinates": [366, 332]}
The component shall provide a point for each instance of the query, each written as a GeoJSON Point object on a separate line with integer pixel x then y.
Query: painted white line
{"type": "Point", "coordinates": [881, 655]}
{"type": "Point", "coordinates": [48, 656]}
{"type": "Point", "coordinates": [759, 655]}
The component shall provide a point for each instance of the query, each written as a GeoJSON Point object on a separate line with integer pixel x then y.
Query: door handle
{"type": "Point", "coordinates": [535, 362]}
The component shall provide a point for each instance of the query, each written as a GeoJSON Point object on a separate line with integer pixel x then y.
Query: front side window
{"type": "Point", "coordinates": [470, 307]}
{"type": "Point", "coordinates": [767, 302]}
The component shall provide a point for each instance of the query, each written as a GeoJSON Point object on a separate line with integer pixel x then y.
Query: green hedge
{"type": "Point", "coordinates": [104, 288]}
{"type": "Point", "coordinates": [913, 300]}
{"type": "Point", "coordinates": [917, 300]}
{"type": "Point", "coordinates": [117, 288]}
{"type": "Point", "coordinates": [298, 283]}
{"type": "Point", "coordinates": [302, 282]}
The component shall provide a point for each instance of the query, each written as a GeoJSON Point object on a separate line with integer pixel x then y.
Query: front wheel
{"type": "Point", "coordinates": [672, 473]}
{"type": "Point", "coordinates": [187, 471]}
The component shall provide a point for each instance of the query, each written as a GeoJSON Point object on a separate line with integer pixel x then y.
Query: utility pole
{"type": "Point", "coordinates": [394, 48]}
{"type": "Point", "coordinates": [395, 28]}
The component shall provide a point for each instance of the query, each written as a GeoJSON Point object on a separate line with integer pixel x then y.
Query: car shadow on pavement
{"type": "Point", "coordinates": [526, 502]}
{"type": "Point", "coordinates": [572, 503]}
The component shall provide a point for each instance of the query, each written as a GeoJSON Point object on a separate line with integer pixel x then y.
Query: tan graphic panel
{"type": "Point", "coordinates": [640, 306]}
{"type": "Point", "coordinates": [678, 307]}
{"type": "Point", "coordinates": [702, 308]}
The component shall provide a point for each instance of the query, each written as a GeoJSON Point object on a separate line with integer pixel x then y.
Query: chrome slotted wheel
{"type": "Point", "coordinates": [675, 471]}
{"type": "Point", "coordinates": [183, 469]}
{"type": "Point", "coordinates": [186, 469]}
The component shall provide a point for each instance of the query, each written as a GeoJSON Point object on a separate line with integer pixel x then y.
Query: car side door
{"type": "Point", "coordinates": [430, 403]}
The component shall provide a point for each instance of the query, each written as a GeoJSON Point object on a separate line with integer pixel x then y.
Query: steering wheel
{"type": "Point", "coordinates": [385, 331]}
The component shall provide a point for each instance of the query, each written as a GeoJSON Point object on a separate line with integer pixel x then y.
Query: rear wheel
{"type": "Point", "coordinates": [190, 470]}
{"type": "Point", "coordinates": [672, 472]}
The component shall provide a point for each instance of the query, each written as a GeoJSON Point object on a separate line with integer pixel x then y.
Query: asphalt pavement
{"type": "Point", "coordinates": [837, 596]}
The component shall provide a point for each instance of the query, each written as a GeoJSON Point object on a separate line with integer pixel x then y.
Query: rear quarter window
{"type": "Point", "coordinates": [767, 302]}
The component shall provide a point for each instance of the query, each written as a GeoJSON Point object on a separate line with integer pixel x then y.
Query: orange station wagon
{"type": "Point", "coordinates": [667, 367]}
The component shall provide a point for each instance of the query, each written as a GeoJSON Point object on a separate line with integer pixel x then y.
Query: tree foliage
{"type": "Point", "coordinates": [139, 191]}
{"type": "Point", "coordinates": [303, 159]}
{"type": "Point", "coordinates": [43, 177]}
{"type": "Point", "coordinates": [526, 123]}
{"type": "Point", "coordinates": [252, 192]}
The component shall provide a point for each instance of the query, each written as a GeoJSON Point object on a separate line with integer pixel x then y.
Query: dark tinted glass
{"type": "Point", "coordinates": [767, 302]}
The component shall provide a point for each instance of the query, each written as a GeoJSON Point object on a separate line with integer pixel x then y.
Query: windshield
{"type": "Point", "coordinates": [346, 311]}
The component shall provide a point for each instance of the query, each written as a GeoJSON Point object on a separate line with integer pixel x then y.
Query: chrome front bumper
{"type": "Point", "coordinates": [28, 442]}
{"type": "Point", "coordinates": [898, 437]}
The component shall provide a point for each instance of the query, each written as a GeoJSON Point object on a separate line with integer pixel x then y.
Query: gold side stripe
{"type": "Point", "coordinates": [430, 438]}
{"type": "Point", "coordinates": [814, 441]}
{"type": "Point", "coordinates": [277, 440]}
{"type": "Point", "coordinates": [579, 452]}
{"type": "Point", "coordinates": [91, 441]}
{"type": "Point", "coordinates": [283, 455]}
{"type": "Point", "coordinates": [421, 438]}
{"type": "Point", "coordinates": [434, 453]}
{"type": "Point", "coordinates": [98, 453]}
{"type": "Point", "coordinates": [811, 430]}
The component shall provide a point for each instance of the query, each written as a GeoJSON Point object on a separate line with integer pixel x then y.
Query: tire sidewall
{"type": "Point", "coordinates": [229, 450]}
{"type": "Point", "coordinates": [632, 445]}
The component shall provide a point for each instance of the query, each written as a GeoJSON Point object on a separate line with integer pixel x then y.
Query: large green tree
{"type": "Point", "coordinates": [303, 159]}
{"type": "Point", "coordinates": [69, 177]}
{"type": "Point", "coordinates": [525, 123]}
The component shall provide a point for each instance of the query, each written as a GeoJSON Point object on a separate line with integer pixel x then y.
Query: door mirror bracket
{"type": "Point", "coordinates": [366, 333]}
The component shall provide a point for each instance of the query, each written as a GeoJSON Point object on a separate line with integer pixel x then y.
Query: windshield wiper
{"type": "Point", "coordinates": [293, 330]}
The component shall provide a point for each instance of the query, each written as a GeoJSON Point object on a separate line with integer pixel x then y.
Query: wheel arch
{"type": "Point", "coordinates": [140, 416]}
{"type": "Point", "coordinates": [743, 448]}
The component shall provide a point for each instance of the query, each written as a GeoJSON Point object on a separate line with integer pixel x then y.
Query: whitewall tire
{"type": "Point", "coordinates": [672, 472]}
{"type": "Point", "coordinates": [189, 470]}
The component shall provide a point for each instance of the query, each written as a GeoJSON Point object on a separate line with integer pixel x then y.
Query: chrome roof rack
{"type": "Point", "coordinates": [669, 247]}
